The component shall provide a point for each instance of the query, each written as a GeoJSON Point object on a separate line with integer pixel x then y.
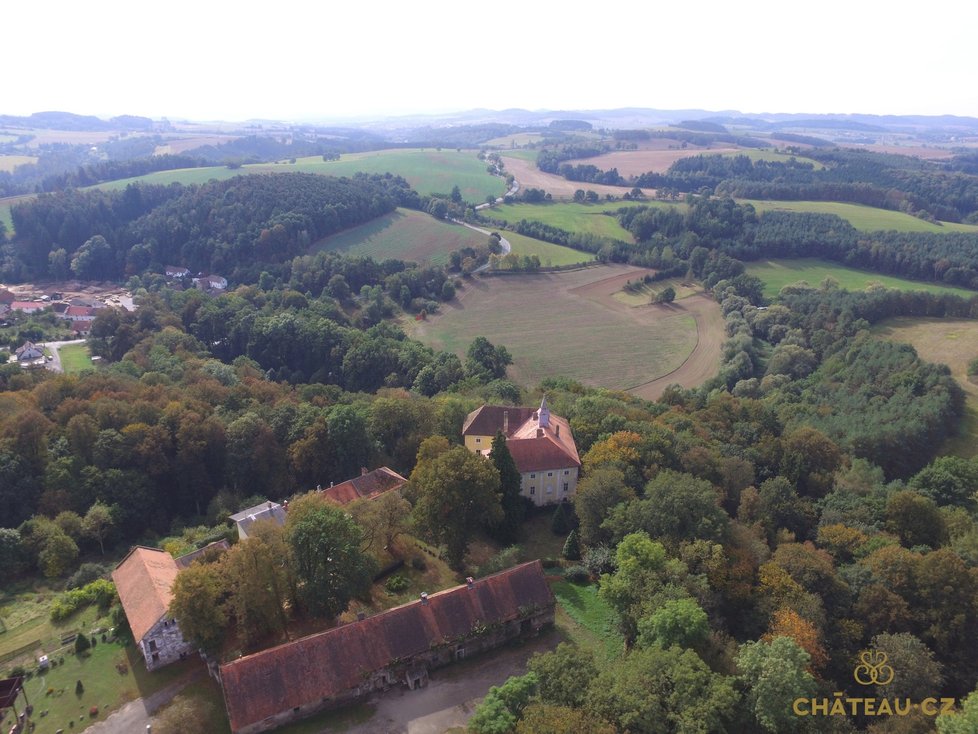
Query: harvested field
{"type": "Point", "coordinates": [177, 145]}
{"type": "Point", "coordinates": [570, 324]}
{"type": "Point", "coordinates": [916, 151]}
{"type": "Point", "coordinates": [953, 342]}
{"type": "Point", "coordinates": [637, 162]}
{"type": "Point", "coordinates": [9, 162]}
{"type": "Point", "coordinates": [529, 176]}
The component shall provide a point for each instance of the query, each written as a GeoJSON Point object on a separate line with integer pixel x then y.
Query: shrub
{"type": "Point", "coordinates": [561, 523]}
{"type": "Point", "coordinates": [79, 688]}
{"type": "Point", "coordinates": [86, 574]}
{"type": "Point", "coordinates": [100, 591]}
{"type": "Point", "coordinates": [973, 368]}
{"type": "Point", "coordinates": [599, 559]}
{"type": "Point", "coordinates": [81, 645]}
{"type": "Point", "coordinates": [418, 563]}
{"type": "Point", "coordinates": [396, 584]}
{"type": "Point", "coordinates": [577, 575]}
{"type": "Point", "coordinates": [572, 547]}
{"type": "Point", "coordinates": [506, 558]}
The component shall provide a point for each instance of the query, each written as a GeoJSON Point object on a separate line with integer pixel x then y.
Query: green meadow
{"type": "Point", "coordinates": [429, 171]}
{"type": "Point", "coordinates": [550, 255]}
{"type": "Point", "coordinates": [865, 218]}
{"type": "Point", "coordinates": [572, 217]}
{"type": "Point", "coordinates": [776, 274]}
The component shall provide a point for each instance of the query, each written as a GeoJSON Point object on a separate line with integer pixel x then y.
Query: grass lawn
{"type": "Point", "coordinates": [75, 358]}
{"type": "Point", "coordinates": [570, 216]}
{"type": "Point", "coordinates": [865, 218]}
{"type": "Point", "coordinates": [538, 541]}
{"type": "Point", "coordinates": [778, 273]}
{"type": "Point", "coordinates": [105, 685]}
{"type": "Point", "coordinates": [8, 222]}
{"type": "Point", "coordinates": [953, 342]}
{"type": "Point", "coordinates": [405, 235]}
{"type": "Point", "coordinates": [550, 255]}
{"type": "Point", "coordinates": [565, 324]}
{"type": "Point", "coordinates": [595, 623]}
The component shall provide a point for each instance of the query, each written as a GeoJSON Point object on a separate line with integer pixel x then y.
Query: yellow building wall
{"type": "Point", "coordinates": [535, 485]}
{"type": "Point", "coordinates": [478, 443]}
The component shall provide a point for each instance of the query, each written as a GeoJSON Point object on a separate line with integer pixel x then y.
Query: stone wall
{"type": "Point", "coordinates": [164, 644]}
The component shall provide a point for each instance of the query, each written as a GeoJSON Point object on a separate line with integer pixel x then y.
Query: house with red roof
{"type": "Point", "coordinates": [144, 579]}
{"type": "Point", "coordinates": [28, 307]}
{"type": "Point", "coordinates": [395, 647]}
{"type": "Point", "coordinates": [541, 443]}
{"type": "Point", "coordinates": [369, 485]}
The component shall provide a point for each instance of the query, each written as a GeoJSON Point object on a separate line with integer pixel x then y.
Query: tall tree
{"type": "Point", "coordinates": [198, 604]}
{"type": "Point", "coordinates": [457, 493]}
{"type": "Point", "coordinates": [327, 551]}
{"type": "Point", "coordinates": [775, 673]}
{"type": "Point", "coordinates": [514, 506]}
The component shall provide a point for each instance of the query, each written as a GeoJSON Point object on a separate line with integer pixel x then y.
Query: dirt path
{"type": "Point", "coordinates": [704, 361]}
{"type": "Point", "coordinates": [136, 715]}
{"type": "Point", "coordinates": [55, 364]}
{"type": "Point", "coordinates": [451, 695]}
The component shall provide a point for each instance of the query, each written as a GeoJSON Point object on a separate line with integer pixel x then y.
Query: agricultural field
{"type": "Point", "coordinates": [571, 216]}
{"type": "Point", "coordinates": [529, 176]}
{"type": "Point", "coordinates": [640, 294]}
{"type": "Point", "coordinates": [636, 162]}
{"type": "Point", "coordinates": [776, 274]}
{"type": "Point", "coordinates": [428, 171]}
{"type": "Point", "coordinates": [518, 140]}
{"type": "Point", "coordinates": [9, 162]}
{"type": "Point", "coordinates": [550, 255]}
{"type": "Point", "coordinates": [865, 218]}
{"type": "Point", "coordinates": [953, 342]}
{"type": "Point", "coordinates": [405, 235]}
{"type": "Point", "coordinates": [570, 324]}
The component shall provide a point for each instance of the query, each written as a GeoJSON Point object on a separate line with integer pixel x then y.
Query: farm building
{"type": "Point", "coordinates": [28, 307]}
{"type": "Point", "coordinates": [369, 485]}
{"type": "Point", "coordinates": [265, 511]}
{"type": "Point", "coordinates": [541, 444]}
{"type": "Point", "coordinates": [144, 579]}
{"type": "Point", "coordinates": [175, 271]}
{"type": "Point", "coordinates": [211, 282]}
{"type": "Point", "coordinates": [398, 646]}
{"type": "Point", "coordinates": [28, 352]}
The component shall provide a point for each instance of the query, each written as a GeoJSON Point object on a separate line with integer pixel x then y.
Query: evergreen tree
{"type": "Point", "coordinates": [81, 645]}
{"type": "Point", "coordinates": [572, 547]}
{"type": "Point", "coordinates": [514, 507]}
{"type": "Point", "coordinates": [562, 522]}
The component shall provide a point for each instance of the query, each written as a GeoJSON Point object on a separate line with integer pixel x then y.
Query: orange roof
{"type": "Point", "coordinates": [144, 579]}
{"type": "Point", "coordinates": [369, 485]}
{"type": "Point", "coordinates": [538, 440]}
{"type": "Point", "coordinates": [326, 664]}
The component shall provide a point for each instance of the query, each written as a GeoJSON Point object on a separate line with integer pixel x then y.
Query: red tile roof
{"type": "Point", "coordinates": [144, 579]}
{"type": "Point", "coordinates": [541, 454]}
{"type": "Point", "coordinates": [329, 663]}
{"type": "Point", "coordinates": [7, 296]}
{"type": "Point", "coordinates": [27, 306]}
{"type": "Point", "coordinates": [369, 485]}
{"type": "Point", "coordinates": [489, 419]}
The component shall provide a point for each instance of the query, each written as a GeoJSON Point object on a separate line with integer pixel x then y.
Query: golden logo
{"type": "Point", "coordinates": [873, 669]}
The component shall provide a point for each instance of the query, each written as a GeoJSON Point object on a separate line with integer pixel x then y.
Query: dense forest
{"type": "Point", "coordinates": [237, 227]}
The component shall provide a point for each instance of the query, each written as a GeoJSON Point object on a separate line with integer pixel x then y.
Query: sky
{"type": "Point", "coordinates": [288, 60]}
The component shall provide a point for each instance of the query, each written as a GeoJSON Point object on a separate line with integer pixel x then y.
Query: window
{"type": "Point", "coordinates": [550, 473]}
{"type": "Point", "coordinates": [478, 440]}
{"type": "Point", "coordinates": [566, 485]}
{"type": "Point", "coordinates": [566, 472]}
{"type": "Point", "coordinates": [533, 476]}
{"type": "Point", "coordinates": [152, 645]}
{"type": "Point", "coordinates": [533, 490]}
{"type": "Point", "coordinates": [550, 489]}
{"type": "Point", "coordinates": [156, 657]}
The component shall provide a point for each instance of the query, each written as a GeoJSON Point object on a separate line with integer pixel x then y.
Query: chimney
{"type": "Point", "coordinates": [424, 598]}
{"type": "Point", "coordinates": [539, 433]}
{"type": "Point", "coordinates": [319, 488]}
{"type": "Point", "coordinates": [361, 616]}
{"type": "Point", "coordinates": [469, 581]}
{"type": "Point", "coordinates": [269, 504]}
{"type": "Point", "coordinates": [330, 485]}
{"type": "Point", "coordinates": [285, 505]}
{"type": "Point", "coordinates": [506, 422]}
{"type": "Point", "coordinates": [364, 471]}
{"type": "Point", "coordinates": [557, 426]}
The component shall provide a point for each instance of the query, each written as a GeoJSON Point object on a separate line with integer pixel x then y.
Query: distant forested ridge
{"type": "Point", "coordinates": [235, 227]}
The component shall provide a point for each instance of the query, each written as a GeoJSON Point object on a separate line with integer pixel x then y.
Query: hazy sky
{"type": "Point", "coordinates": [212, 59]}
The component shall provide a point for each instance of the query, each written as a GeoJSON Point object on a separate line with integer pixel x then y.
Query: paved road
{"type": "Point", "coordinates": [55, 364]}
